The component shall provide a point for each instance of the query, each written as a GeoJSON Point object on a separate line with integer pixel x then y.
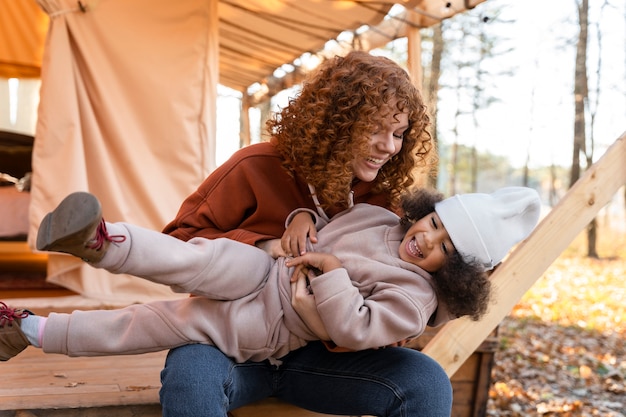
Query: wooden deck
{"type": "Point", "coordinates": [36, 384]}
{"type": "Point", "coordinates": [39, 384]}
{"type": "Point", "coordinates": [37, 381]}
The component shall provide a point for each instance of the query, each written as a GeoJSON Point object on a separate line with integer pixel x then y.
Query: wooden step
{"type": "Point", "coordinates": [36, 384]}
{"type": "Point", "coordinates": [122, 411]}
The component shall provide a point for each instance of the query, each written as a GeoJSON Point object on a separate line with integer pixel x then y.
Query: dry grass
{"type": "Point", "coordinates": [581, 291]}
{"type": "Point", "coordinates": [563, 346]}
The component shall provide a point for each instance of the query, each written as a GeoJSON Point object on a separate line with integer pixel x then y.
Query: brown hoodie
{"type": "Point", "coordinates": [249, 197]}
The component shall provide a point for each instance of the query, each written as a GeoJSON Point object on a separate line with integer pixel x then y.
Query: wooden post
{"type": "Point", "coordinates": [244, 121]}
{"type": "Point", "coordinates": [458, 339]}
{"type": "Point", "coordinates": [414, 55]}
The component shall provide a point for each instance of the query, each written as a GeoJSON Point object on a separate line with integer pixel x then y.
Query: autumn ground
{"type": "Point", "coordinates": [563, 347]}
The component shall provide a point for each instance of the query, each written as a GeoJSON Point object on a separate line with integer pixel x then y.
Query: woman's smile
{"type": "Point", "coordinates": [376, 163]}
{"type": "Point", "coordinates": [384, 144]}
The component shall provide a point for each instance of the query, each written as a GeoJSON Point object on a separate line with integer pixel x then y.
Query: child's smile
{"type": "Point", "coordinates": [413, 248]}
{"type": "Point", "coordinates": [426, 244]}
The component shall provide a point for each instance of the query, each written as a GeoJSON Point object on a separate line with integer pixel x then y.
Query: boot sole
{"type": "Point", "coordinates": [12, 341]}
{"type": "Point", "coordinates": [72, 222]}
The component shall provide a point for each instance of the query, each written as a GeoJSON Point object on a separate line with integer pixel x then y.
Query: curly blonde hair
{"type": "Point", "coordinates": [322, 130]}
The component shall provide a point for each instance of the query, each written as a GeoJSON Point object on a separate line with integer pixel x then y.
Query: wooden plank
{"type": "Point", "coordinates": [151, 410]}
{"type": "Point", "coordinates": [17, 256]}
{"type": "Point", "coordinates": [482, 383]}
{"type": "Point", "coordinates": [35, 293]}
{"type": "Point", "coordinates": [274, 408]}
{"type": "Point", "coordinates": [35, 380]}
{"type": "Point", "coordinates": [40, 381]}
{"type": "Point", "coordinates": [458, 339]}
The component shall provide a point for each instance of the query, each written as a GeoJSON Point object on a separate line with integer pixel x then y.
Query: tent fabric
{"type": "Point", "coordinates": [255, 36]}
{"type": "Point", "coordinates": [124, 115]}
{"type": "Point", "coordinates": [258, 36]}
{"type": "Point", "coordinates": [23, 28]}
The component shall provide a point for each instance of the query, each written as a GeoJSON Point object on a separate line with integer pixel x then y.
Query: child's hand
{"type": "Point", "coordinates": [272, 247]}
{"type": "Point", "coordinates": [324, 262]}
{"type": "Point", "coordinates": [294, 238]}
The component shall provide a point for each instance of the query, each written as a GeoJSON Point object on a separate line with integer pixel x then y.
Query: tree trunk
{"type": "Point", "coordinates": [474, 167]}
{"type": "Point", "coordinates": [580, 91]}
{"type": "Point", "coordinates": [266, 112]}
{"type": "Point", "coordinates": [432, 93]}
{"type": "Point", "coordinates": [453, 167]}
{"type": "Point", "coordinates": [553, 197]}
{"type": "Point", "coordinates": [581, 100]}
{"type": "Point", "coordinates": [592, 236]}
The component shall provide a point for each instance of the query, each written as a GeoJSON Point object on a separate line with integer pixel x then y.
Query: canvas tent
{"type": "Point", "coordinates": [128, 93]}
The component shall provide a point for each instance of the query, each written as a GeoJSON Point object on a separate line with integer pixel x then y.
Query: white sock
{"type": "Point", "coordinates": [32, 326]}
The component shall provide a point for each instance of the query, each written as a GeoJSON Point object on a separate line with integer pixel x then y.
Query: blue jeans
{"type": "Point", "coordinates": [199, 380]}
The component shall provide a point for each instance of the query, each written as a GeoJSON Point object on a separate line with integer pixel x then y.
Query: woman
{"type": "Point", "coordinates": [354, 134]}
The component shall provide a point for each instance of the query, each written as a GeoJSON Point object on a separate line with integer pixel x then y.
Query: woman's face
{"type": "Point", "coordinates": [427, 244]}
{"type": "Point", "coordinates": [383, 145]}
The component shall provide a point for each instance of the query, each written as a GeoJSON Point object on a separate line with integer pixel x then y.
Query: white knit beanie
{"type": "Point", "coordinates": [484, 227]}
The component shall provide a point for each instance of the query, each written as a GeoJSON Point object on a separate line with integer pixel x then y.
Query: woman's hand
{"type": "Point", "coordinates": [272, 247]}
{"type": "Point", "coordinates": [302, 297]}
{"type": "Point", "coordinates": [294, 239]}
{"type": "Point", "coordinates": [303, 302]}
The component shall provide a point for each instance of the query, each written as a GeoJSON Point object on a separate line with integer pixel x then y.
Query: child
{"type": "Point", "coordinates": [377, 279]}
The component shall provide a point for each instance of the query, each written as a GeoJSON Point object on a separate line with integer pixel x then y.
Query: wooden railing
{"type": "Point", "coordinates": [459, 338]}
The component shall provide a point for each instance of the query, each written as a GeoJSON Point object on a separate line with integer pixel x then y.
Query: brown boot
{"type": "Point", "coordinates": [76, 227]}
{"type": "Point", "coordinates": [12, 339]}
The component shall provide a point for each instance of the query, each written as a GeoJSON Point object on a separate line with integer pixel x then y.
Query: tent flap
{"type": "Point", "coordinates": [123, 114]}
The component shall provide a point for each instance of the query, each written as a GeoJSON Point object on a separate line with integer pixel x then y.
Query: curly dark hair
{"type": "Point", "coordinates": [464, 287]}
{"type": "Point", "coordinates": [335, 113]}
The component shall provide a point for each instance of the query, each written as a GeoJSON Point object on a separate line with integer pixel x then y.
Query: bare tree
{"type": "Point", "coordinates": [432, 92]}
{"type": "Point", "coordinates": [481, 99]}
{"type": "Point", "coordinates": [526, 175]}
{"type": "Point", "coordinates": [470, 43]}
{"type": "Point", "coordinates": [593, 103]}
{"type": "Point", "coordinates": [581, 91]}
{"type": "Point", "coordinates": [553, 197]}
{"type": "Point", "coordinates": [586, 106]}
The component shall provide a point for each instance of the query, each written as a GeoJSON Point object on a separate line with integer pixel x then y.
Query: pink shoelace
{"type": "Point", "coordinates": [103, 236]}
{"type": "Point", "coordinates": [8, 314]}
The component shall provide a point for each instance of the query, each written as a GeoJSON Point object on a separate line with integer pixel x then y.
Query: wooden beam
{"type": "Point", "coordinates": [421, 14]}
{"type": "Point", "coordinates": [458, 339]}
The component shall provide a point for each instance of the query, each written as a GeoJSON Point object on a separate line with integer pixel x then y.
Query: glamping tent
{"type": "Point", "coordinates": [128, 92]}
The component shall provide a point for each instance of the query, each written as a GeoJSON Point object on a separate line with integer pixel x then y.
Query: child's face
{"type": "Point", "coordinates": [384, 144]}
{"type": "Point", "coordinates": [427, 244]}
